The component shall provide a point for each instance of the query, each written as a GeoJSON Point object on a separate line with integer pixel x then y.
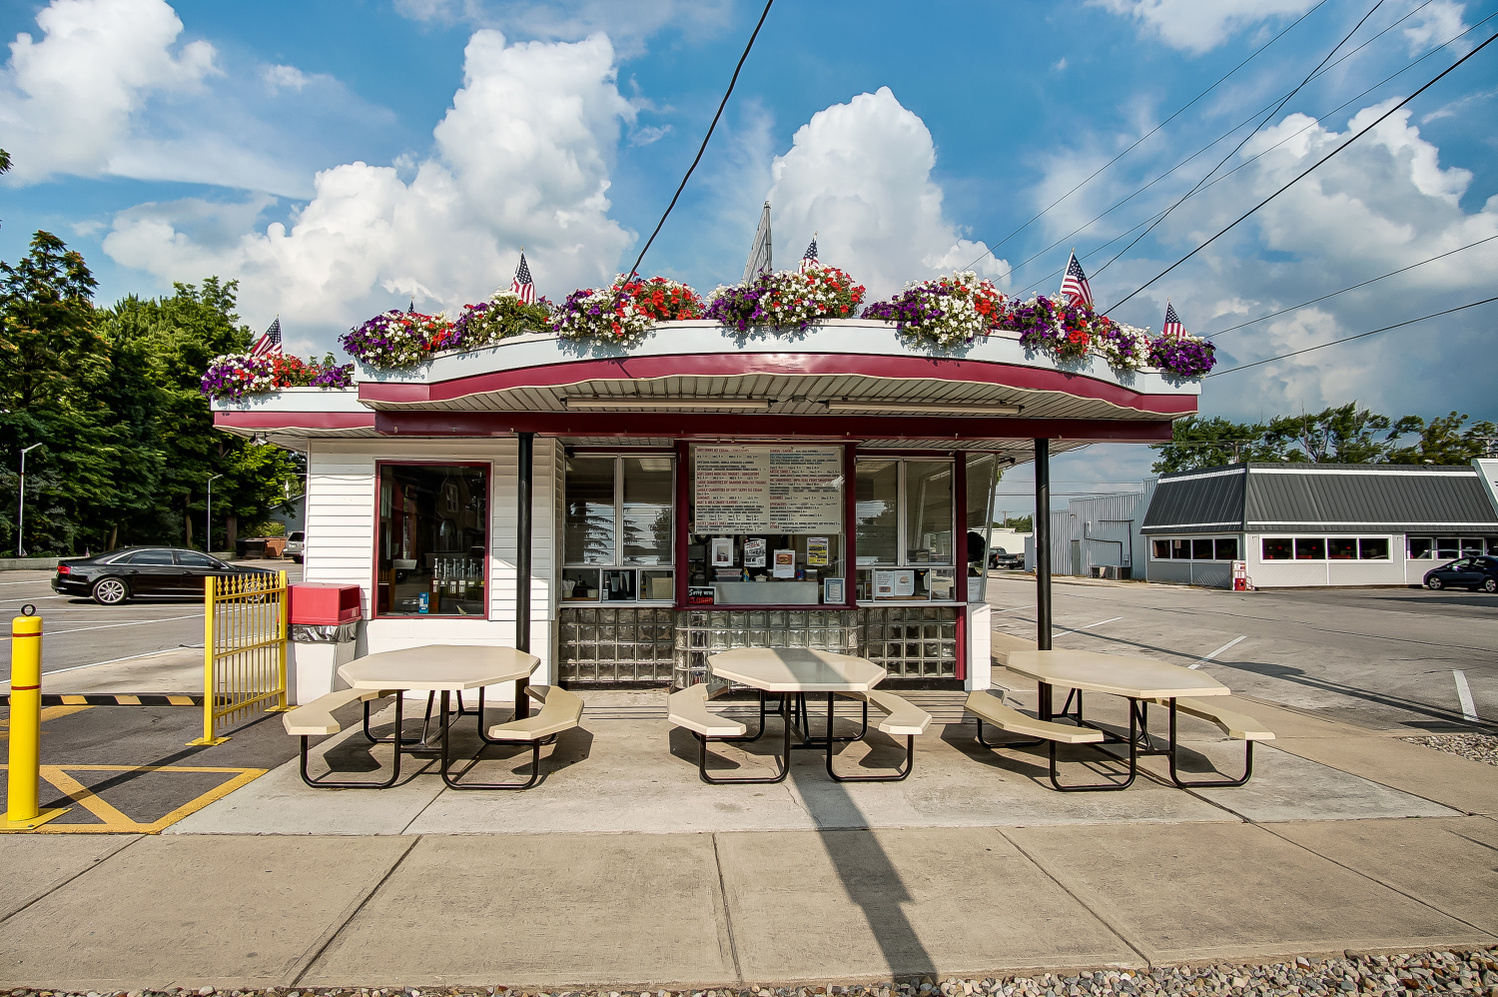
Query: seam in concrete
{"type": "Point", "coordinates": [1117, 933]}
{"type": "Point", "coordinates": [733, 945]}
{"type": "Point", "coordinates": [54, 887]}
{"type": "Point", "coordinates": [1374, 879]}
{"type": "Point", "coordinates": [1398, 789]}
{"type": "Point", "coordinates": [1484, 844]}
{"type": "Point", "coordinates": [318, 947]}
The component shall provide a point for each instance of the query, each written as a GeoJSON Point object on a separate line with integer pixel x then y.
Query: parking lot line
{"type": "Point", "coordinates": [1212, 655]}
{"type": "Point", "coordinates": [1089, 626]}
{"type": "Point", "coordinates": [1464, 695]}
{"type": "Point", "coordinates": [112, 821]}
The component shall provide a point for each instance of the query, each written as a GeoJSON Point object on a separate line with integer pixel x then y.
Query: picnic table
{"type": "Point", "coordinates": [1141, 681]}
{"type": "Point", "coordinates": [796, 672]}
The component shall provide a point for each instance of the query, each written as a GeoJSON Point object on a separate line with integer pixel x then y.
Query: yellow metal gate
{"type": "Point", "coordinates": [244, 651]}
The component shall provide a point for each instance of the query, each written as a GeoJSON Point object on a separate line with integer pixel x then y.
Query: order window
{"type": "Point", "coordinates": [433, 540]}
{"type": "Point", "coordinates": [617, 529]}
{"type": "Point", "coordinates": [904, 511]}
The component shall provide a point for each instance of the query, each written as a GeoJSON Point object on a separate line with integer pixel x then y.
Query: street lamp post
{"type": "Point", "coordinates": [21, 507]}
{"type": "Point", "coordinates": [208, 536]}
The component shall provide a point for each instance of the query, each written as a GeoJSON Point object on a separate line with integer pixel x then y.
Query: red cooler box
{"type": "Point", "coordinates": [324, 604]}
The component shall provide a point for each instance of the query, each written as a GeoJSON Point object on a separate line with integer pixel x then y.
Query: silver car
{"type": "Point", "coordinates": [295, 541]}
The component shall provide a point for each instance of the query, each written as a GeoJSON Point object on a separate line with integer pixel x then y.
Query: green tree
{"type": "Point", "coordinates": [1198, 441]}
{"type": "Point", "coordinates": [1443, 440]}
{"type": "Point", "coordinates": [1342, 435]}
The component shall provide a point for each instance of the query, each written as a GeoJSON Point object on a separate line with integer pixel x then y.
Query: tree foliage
{"type": "Point", "coordinates": [128, 442]}
{"type": "Point", "coordinates": [1344, 434]}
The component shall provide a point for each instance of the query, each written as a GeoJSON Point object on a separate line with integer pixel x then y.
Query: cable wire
{"type": "Point", "coordinates": [990, 251]}
{"type": "Point", "coordinates": [1243, 141]}
{"type": "Point", "coordinates": [1348, 339]}
{"type": "Point", "coordinates": [1309, 170]}
{"type": "Point", "coordinates": [1325, 114]}
{"type": "Point", "coordinates": [1354, 287]}
{"type": "Point", "coordinates": [722, 104]}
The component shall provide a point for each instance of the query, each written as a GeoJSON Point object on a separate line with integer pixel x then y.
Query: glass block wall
{"type": "Point", "coordinates": [611, 646]}
{"type": "Point", "coordinates": [660, 646]}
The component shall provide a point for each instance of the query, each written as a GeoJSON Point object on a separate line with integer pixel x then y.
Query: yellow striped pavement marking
{"type": "Point", "coordinates": [115, 822]}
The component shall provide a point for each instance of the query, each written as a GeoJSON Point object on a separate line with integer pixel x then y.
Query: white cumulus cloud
{"type": "Point", "coordinates": [859, 176]}
{"type": "Point", "coordinates": [1200, 25]}
{"type": "Point", "coordinates": [68, 101]}
{"type": "Point", "coordinates": [520, 159]}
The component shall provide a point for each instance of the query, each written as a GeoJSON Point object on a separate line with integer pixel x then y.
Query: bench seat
{"type": "Point", "coordinates": [901, 716]}
{"type": "Point", "coordinates": [315, 719]}
{"type": "Point", "coordinates": [989, 707]}
{"type": "Point", "coordinates": [688, 708]}
{"type": "Point", "coordinates": [561, 710]}
{"type": "Point", "coordinates": [1236, 725]}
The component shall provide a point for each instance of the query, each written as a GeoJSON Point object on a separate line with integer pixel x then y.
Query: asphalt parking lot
{"type": "Point", "coordinates": [78, 632]}
{"type": "Point", "coordinates": [1380, 657]}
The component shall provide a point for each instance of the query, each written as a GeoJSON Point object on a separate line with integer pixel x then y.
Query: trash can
{"type": "Point", "coordinates": [324, 632]}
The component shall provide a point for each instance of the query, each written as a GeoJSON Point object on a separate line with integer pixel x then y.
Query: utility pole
{"type": "Point", "coordinates": [21, 508]}
{"type": "Point", "coordinates": [208, 536]}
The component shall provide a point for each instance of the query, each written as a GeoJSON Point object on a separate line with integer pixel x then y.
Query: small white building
{"type": "Point", "coordinates": [1316, 524]}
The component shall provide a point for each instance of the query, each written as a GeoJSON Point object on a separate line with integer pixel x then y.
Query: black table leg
{"type": "Point", "coordinates": [783, 766]}
{"type": "Point", "coordinates": [1248, 762]}
{"type": "Point", "coordinates": [898, 774]}
{"type": "Point", "coordinates": [395, 766]}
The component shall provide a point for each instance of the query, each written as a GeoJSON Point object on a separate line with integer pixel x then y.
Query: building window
{"type": "Point", "coordinates": [617, 529]}
{"type": "Point", "coordinates": [433, 540]}
{"type": "Point", "coordinates": [904, 511]}
{"type": "Point", "coordinates": [1326, 548]}
{"type": "Point", "coordinates": [1195, 549]}
{"type": "Point", "coordinates": [1421, 548]}
{"type": "Point", "coordinates": [1278, 548]}
{"type": "Point", "coordinates": [1447, 548]}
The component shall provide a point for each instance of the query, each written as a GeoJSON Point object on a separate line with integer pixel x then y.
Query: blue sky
{"type": "Point", "coordinates": [340, 158]}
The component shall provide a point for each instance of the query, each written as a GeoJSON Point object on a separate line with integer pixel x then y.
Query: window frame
{"type": "Point", "coordinates": [602, 570]}
{"type": "Point", "coordinates": [485, 570]}
{"type": "Point", "coordinates": [1188, 543]}
{"type": "Point", "coordinates": [903, 561]}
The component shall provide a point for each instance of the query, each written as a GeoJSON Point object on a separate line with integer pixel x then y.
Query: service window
{"type": "Point", "coordinates": [1421, 547]}
{"type": "Point", "coordinates": [1310, 549]}
{"type": "Point", "coordinates": [1278, 548]}
{"type": "Point", "coordinates": [617, 529]}
{"type": "Point", "coordinates": [1342, 548]}
{"type": "Point", "coordinates": [433, 540]}
{"type": "Point", "coordinates": [904, 511]}
{"type": "Point", "coordinates": [1226, 548]}
{"type": "Point", "coordinates": [765, 526]}
{"type": "Point", "coordinates": [1373, 548]}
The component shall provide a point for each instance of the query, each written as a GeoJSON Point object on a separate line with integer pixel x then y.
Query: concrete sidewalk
{"type": "Point", "coordinates": [623, 870]}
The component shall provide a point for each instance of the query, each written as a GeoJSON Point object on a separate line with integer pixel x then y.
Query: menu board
{"type": "Point", "coordinates": [777, 489]}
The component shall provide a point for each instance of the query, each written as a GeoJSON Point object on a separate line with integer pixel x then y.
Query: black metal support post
{"type": "Point", "coordinates": [524, 454]}
{"type": "Point", "coordinates": [1042, 525]}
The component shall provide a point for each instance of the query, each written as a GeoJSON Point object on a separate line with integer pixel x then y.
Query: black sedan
{"type": "Point", "coordinates": [141, 571]}
{"type": "Point", "coordinates": [1469, 572]}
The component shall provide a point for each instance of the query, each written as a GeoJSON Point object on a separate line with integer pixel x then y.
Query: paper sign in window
{"type": "Point", "coordinates": [785, 564]}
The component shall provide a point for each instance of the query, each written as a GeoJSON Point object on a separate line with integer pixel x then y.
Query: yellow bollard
{"type": "Point", "coordinates": [26, 724]}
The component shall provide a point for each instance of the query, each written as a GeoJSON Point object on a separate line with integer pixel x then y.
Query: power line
{"type": "Point", "coordinates": [990, 251]}
{"type": "Point", "coordinates": [1233, 224]}
{"type": "Point", "coordinates": [724, 103]}
{"type": "Point", "coordinates": [1392, 273]}
{"type": "Point", "coordinates": [1243, 141]}
{"type": "Point", "coordinates": [1250, 161]}
{"type": "Point", "coordinates": [1348, 339]}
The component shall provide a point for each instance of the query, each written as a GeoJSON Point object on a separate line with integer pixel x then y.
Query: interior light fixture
{"type": "Point", "coordinates": [920, 408]}
{"type": "Point", "coordinates": [638, 404]}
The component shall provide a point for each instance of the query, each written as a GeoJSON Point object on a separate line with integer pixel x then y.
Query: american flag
{"type": "Point", "coordinates": [1173, 326]}
{"type": "Point", "coordinates": [522, 284]}
{"type": "Point", "coordinates": [270, 342]}
{"type": "Point", "coordinates": [1074, 285]}
{"type": "Point", "coordinates": [809, 258]}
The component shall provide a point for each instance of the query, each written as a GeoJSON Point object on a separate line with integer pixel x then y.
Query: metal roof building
{"type": "Point", "coordinates": [1317, 524]}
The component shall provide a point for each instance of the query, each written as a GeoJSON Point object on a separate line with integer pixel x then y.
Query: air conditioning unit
{"type": "Point", "coordinates": [1105, 571]}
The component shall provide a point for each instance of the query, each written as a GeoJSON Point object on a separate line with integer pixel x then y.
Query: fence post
{"type": "Point", "coordinates": [26, 724]}
{"type": "Point", "coordinates": [210, 591]}
{"type": "Point", "coordinates": [283, 616]}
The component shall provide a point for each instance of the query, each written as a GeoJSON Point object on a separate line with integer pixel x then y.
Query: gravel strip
{"type": "Point", "coordinates": [1428, 972]}
{"type": "Point", "coordinates": [1478, 747]}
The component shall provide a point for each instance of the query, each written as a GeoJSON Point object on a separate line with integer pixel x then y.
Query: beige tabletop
{"type": "Point", "coordinates": [1115, 674]}
{"type": "Point", "coordinates": [796, 669]}
{"type": "Point", "coordinates": [439, 666]}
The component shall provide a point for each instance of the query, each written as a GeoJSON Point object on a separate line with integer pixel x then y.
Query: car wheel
{"type": "Point", "coordinates": [111, 591]}
{"type": "Point", "coordinates": [1434, 584]}
{"type": "Point", "coordinates": [1490, 584]}
{"type": "Point", "coordinates": [296, 558]}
